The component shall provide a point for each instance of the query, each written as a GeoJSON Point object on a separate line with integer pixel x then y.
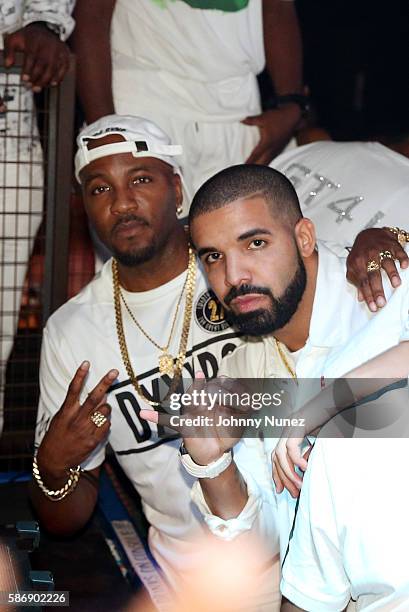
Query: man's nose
{"type": "Point", "coordinates": [237, 273]}
{"type": "Point", "coordinates": [123, 200]}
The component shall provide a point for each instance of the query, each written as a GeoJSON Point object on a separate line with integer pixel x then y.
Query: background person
{"type": "Point", "coordinates": [344, 187]}
{"type": "Point", "coordinates": [190, 66]}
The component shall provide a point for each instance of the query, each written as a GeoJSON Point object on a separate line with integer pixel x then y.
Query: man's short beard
{"type": "Point", "coordinates": [136, 257]}
{"type": "Point", "coordinates": [265, 321]}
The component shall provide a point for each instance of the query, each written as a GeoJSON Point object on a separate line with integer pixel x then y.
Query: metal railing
{"type": "Point", "coordinates": [36, 141]}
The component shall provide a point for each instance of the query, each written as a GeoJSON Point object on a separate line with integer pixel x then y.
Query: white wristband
{"type": "Point", "coordinates": [212, 470]}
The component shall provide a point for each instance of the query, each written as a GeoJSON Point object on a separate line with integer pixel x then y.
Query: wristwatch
{"type": "Point", "coordinates": [294, 98]}
{"type": "Point", "coordinates": [212, 470]}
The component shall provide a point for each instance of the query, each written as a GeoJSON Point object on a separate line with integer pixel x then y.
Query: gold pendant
{"type": "Point", "coordinates": [166, 364]}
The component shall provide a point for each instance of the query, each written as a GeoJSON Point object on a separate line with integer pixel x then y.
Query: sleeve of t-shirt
{"type": "Point", "coordinates": [57, 368]}
{"type": "Point", "coordinates": [259, 516]}
{"type": "Point", "coordinates": [56, 12]}
{"type": "Point", "coordinates": [313, 577]}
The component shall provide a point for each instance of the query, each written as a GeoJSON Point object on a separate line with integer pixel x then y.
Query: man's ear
{"type": "Point", "coordinates": [178, 191]}
{"type": "Point", "coordinates": [305, 237]}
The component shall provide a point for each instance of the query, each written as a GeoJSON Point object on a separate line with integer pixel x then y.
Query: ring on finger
{"type": "Point", "coordinates": [98, 418]}
{"type": "Point", "coordinates": [372, 265]}
{"type": "Point", "coordinates": [385, 255]}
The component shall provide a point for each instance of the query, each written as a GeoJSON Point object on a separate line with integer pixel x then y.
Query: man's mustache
{"type": "Point", "coordinates": [245, 290]}
{"type": "Point", "coordinates": [127, 219]}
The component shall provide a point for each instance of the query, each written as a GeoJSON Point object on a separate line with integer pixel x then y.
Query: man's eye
{"type": "Point", "coordinates": [257, 243]}
{"type": "Point", "coordinates": [141, 180]}
{"type": "Point", "coordinates": [100, 189]}
{"type": "Point", "coordinates": [213, 257]}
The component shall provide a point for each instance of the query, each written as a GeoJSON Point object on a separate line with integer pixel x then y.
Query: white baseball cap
{"type": "Point", "coordinates": [142, 138]}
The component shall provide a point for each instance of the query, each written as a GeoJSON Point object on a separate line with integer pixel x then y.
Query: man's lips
{"type": "Point", "coordinates": [248, 302]}
{"type": "Point", "coordinates": [127, 228]}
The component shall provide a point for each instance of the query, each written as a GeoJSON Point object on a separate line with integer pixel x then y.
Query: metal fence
{"type": "Point", "coordinates": [36, 138]}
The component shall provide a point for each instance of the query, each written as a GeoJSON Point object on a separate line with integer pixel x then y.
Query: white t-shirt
{"type": "Point", "coordinates": [84, 329]}
{"type": "Point", "coordinates": [353, 551]}
{"type": "Point", "coordinates": [196, 64]}
{"type": "Point", "coordinates": [345, 187]}
{"type": "Point", "coordinates": [351, 537]}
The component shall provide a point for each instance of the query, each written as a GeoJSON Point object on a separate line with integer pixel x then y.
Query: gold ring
{"type": "Point", "coordinates": [372, 266]}
{"type": "Point", "coordinates": [98, 418]}
{"type": "Point", "coordinates": [402, 236]}
{"type": "Point", "coordinates": [385, 255]}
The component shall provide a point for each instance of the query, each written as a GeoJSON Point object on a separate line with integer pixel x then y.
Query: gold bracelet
{"type": "Point", "coordinates": [402, 235]}
{"type": "Point", "coordinates": [59, 494]}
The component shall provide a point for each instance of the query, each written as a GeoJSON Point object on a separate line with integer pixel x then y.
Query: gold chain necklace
{"type": "Point", "coordinates": [180, 359]}
{"type": "Point", "coordinates": [284, 359]}
{"type": "Point", "coordinates": [165, 360]}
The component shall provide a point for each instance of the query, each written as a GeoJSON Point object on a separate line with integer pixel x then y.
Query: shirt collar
{"type": "Point", "coordinates": [334, 301]}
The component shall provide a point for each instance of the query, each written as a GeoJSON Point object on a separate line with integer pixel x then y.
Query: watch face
{"type": "Point", "coordinates": [300, 99]}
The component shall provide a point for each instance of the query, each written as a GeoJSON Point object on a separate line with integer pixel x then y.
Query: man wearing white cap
{"type": "Point", "coordinates": [144, 321]}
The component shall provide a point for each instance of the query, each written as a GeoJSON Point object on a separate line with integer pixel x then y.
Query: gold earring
{"type": "Point", "coordinates": [179, 209]}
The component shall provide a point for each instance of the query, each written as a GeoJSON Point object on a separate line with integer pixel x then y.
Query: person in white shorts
{"type": "Point", "coordinates": [190, 66]}
{"type": "Point", "coordinates": [38, 29]}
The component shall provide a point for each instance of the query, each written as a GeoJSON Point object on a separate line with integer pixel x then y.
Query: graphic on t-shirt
{"type": "Point", "coordinates": [135, 435]}
{"type": "Point", "coordinates": [210, 313]}
{"type": "Point", "coordinates": [141, 436]}
{"type": "Point", "coordinates": [319, 188]}
{"type": "Point", "coordinates": [227, 6]}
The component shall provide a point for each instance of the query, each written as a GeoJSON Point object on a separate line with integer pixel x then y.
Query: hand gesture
{"type": "Point", "coordinates": [206, 440]}
{"type": "Point", "coordinates": [72, 435]}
